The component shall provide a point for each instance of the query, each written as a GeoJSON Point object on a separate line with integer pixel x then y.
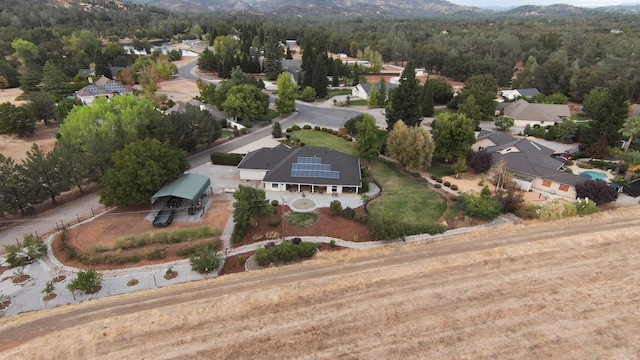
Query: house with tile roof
{"type": "Point", "coordinates": [524, 113]}
{"type": "Point", "coordinates": [532, 165]}
{"type": "Point", "coordinates": [306, 168]}
{"type": "Point", "coordinates": [102, 87]}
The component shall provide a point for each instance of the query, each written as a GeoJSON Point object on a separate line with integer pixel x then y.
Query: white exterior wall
{"type": "Point", "coordinates": [483, 143]}
{"type": "Point", "coordinates": [524, 123]}
{"type": "Point", "coordinates": [554, 189]}
{"type": "Point", "coordinates": [522, 184]}
{"type": "Point", "coordinates": [248, 174]}
{"type": "Point", "coordinates": [270, 186]}
{"type": "Point", "coordinates": [358, 91]}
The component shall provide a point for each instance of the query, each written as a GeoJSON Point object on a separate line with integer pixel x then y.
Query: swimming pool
{"type": "Point", "coordinates": [594, 175]}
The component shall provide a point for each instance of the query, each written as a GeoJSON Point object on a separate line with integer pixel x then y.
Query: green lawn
{"type": "Point", "coordinates": [405, 197]}
{"type": "Point", "coordinates": [409, 198]}
{"type": "Point", "coordinates": [332, 93]}
{"type": "Point", "coordinates": [301, 219]}
{"type": "Point", "coordinates": [319, 138]}
{"type": "Point", "coordinates": [226, 133]}
{"type": "Point", "coordinates": [440, 170]}
{"type": "Point", "coordinates": [360, 102]}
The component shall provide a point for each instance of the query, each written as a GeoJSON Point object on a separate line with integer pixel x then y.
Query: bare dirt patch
{"type": "Point", "coordinates": [11, 96]}
{"type": "Point", "coordinates": [16, 147]}
{"type": "Point", "coordinates": [104, 230]}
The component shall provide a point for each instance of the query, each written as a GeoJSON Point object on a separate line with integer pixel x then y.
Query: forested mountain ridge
{"type": "Point", "coordinates": [324, 7]}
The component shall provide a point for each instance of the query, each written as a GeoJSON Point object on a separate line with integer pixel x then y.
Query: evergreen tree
{"type": "Point", "coordinates": [382, 93]}
{"type": "Point", "coordinates": [276, 130]}
{"type": "Point", "coordinates": [288, 55]}
{"type": "Point", "coordinates": [319, 79]}
{"type": "Point", "coordinates": [356, 75]}
{"type": "Point", "coordinates": [336, 75]}
{"type": "Point", "coordinates": [405, 99]}
{"type": "Point", "coordinates": [483, 88]}
{"type": "Point", "coordinates": [373, 96]}
{"type": "Point", "coordinates": [427, 101]}
{"type": "Point", "coordinates": [54, 81]}
{"type": "Point", "coordinates": [44, 170]}
{"type": "Point", "coordinates": [272, 62]}
{"type": "Point", "coordinates": [366, 145]}
{"type": "Point", "coordinates": [608, 109]}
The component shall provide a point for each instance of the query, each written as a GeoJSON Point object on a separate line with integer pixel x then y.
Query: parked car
{"type": "Point", "coordinates": [164, 217]}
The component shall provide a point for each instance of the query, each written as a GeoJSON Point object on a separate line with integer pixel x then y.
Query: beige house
{"type": "Point", "coordinates": [532, 165]}
{"type": "Point", "coordinates": [102, 87]}
{"type": "Point", "coordinates": [524, 113]}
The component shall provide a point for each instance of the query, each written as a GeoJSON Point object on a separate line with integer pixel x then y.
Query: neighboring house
{"type": "Point", "coordinates": [518, 93]}
{"type": "Point", "coordinates": [92, 71]}
{"type": "Point", "coordinates": [532, 165]}
{"type": "Point", "coordinates": [294, 68]}
{"type": "Point", "coordinates": [312, 169]}
{"type": "Point", "coordinates": [212, 109]}
{"type": "Point", "coordinates": [102, 87]}
{"type": "Point", "coordinates": [362, 91]}
{"type": "Point", "coordinates": [633, 188]}
{"type": "Point", "coordinates": [524, 113]}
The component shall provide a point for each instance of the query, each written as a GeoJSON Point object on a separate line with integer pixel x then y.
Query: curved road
{"type": "Point", "coordinates": [21, 328]}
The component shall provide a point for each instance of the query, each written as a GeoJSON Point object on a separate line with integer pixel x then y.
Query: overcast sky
{"type": "Point", "coordinates": [515, 3]}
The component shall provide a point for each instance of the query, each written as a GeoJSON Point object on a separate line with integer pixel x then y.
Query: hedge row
{"type": "Point", "coordinates": [219, 158]}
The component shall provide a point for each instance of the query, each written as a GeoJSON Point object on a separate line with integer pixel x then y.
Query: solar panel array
{"type": "Point", "coordinates": [312, 167]}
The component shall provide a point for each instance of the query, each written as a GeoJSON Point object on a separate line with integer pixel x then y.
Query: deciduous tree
{"type": "Point", "coordinates": [139, 170]}
{"type": "Point", "coordinates": [366, 145]}
{"type": "Point", "coordinates": [453, 135]}
{"type": "Point", "coordinates": [246, 101]}
{"type": "Point", "coordinates": [286, 101]}
{"type": "Point", "coordinates": [411, 146]}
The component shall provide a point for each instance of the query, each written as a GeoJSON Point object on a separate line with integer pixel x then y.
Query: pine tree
{"type": "Point", "coordinates": [427, 101]}
{"type": "Point", "coordinates": [319, 80]}
{"type": "Point", "coordinates": [373, 96]}
{"type": "Point", "coordinates": [382, 93]}
{"type": "Point", "coordinates": [405, 99]}
{"type": "Point", "coordinates": [272, 57]}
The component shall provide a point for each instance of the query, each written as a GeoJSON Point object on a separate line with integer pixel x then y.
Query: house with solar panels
{"type": "Point", "coordinates": [303, 169]}
{"type": "Point", "coordinates": [102, 87]}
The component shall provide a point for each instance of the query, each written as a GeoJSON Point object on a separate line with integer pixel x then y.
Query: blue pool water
{"type": "Point", "coordinates": [594, 175]}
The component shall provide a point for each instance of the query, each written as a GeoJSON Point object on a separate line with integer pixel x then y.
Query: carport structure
{"type": "Point", "coordinates": [191, 187]}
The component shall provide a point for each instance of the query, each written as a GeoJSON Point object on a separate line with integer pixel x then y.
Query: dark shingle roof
{"type": "Point", "coordinates": [530, 92]}
{"type": "Point", "coordinates": [528, 160]}
{"type": "Point", "coordinates": [265, 158]}
{"type": "Point", "coordinates": [522, 110]}
{"type": "Point", "coordinates": [278, 161]}
{"type": "Point", "coordinates": [388, 86]}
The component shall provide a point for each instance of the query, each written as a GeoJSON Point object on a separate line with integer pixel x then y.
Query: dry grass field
{"type": "Point", "coordinates": [534, 292]}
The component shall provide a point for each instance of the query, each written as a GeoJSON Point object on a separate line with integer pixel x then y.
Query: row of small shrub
{"type": "Point", "coordinates": [389, 228]}
{"type": "Point", "coordinates": [31, 249]}
{"type": "Point", "coordinates": [439, 182]}
{"type": "Point", "coordinates": [164, 237]}
{"type": "Point", "coordinates": [557, 209]}
{"type": "Point", "coordinates": [318, 128]}
{"type": "Point", "coordinates": [285, 252]}
{"type": "Point", "coordinates": [219, 158]}
{"type": "Point", "coordinates": [192, 250]}
{"type": "Point", "coordinates": [95, 258]}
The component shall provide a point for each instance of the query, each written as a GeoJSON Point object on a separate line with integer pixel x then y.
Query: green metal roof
{"type": "Point", "coordinates": [187, 186]}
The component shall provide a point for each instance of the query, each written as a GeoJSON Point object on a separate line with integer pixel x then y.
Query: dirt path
{"type": "Point", "coordinates": [566, 290]}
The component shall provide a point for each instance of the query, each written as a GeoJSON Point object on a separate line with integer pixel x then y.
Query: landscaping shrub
{"type": "Point", "coordinates": [335, 207]}
{"type": "Point", "coordinates": [348, 213]}
{"type": "Point", "coordinates": [365, 185]}
{"type": "Point", "coordinates": [295, 128]}
{"type": "Point", "coordinates": [163, 237]}
{"type": "Point", "coordinates": [480, 161]}
{"type": "Point", "coordinates": [219, 158]}
{"type": "Point", "coordinates": [316, 128]}
{"type": "Point", "coordinates": [528, 211]}
{"type": "Point", "coordinates": [596, 190]}
{"type": "Point", "coordinates": [285, 252]}
{"type": "Point", "coordinates": [585, 207]}
{"type": "Point", "coordinates": [31, 249]}
{"type": "Point", "coordinates": [454, 187]}
{"type": "Point", "coordinates": [362, 218]}
{"type": "Point", "coordinates": [85, 281]}
{"type": "Point", "coordinates": [155, 254]}
{"type": "Point", "coordinates": [238, 233]}
{"type": "Point", "coordinates": [332, 243]}
{"type": "Point", "coordinates": [205, 260]}
{"type": "Point", "coordinates": [482, 206]}
{"type": "Point", "coordinates": [447, 184]}
{"type": "Point", "coordinates": [241, 260]}
{"type": "Point", "coordinates": [437, 186]}
{"type": "Point", "coordinates": [556, 209]}
{"type": "Point", "coordinates": [434, 228]}
{"type": "Point", "coordinates": [439, 180]}
{"type": "Point", "coordinates": [274, 202]}
{"type": "Point", "coordinates": [192, 250]}
{"type": "Point", "coordinates": [511, 199]}
{"type": "Point", "coordinates": [434, 178]}
{"type": "Point", "coordinates": [306, 127]}
{"type": "Point", "coordinates": [274, 221]}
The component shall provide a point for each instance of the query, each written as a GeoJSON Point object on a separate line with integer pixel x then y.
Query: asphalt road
{"type": "Point", "coordinates": [38, 324]}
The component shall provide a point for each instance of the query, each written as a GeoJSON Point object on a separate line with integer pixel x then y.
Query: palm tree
{"type": "Point", "coordinates": [630, 128]}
